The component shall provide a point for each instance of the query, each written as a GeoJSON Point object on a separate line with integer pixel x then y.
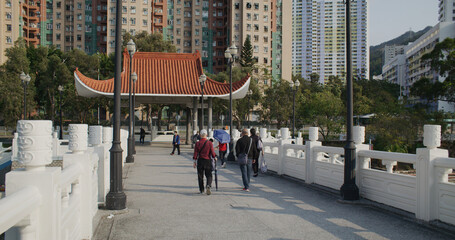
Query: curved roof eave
{"type": "Point", "coordinates": [85, 91]}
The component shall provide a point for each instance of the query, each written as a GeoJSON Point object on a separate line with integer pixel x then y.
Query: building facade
{"type": "Point", "coordinates": [318, 41]}
{"type": "Point", "coordinates": [9, 26]}
{"type": "Point", "coordinates": [392, 51]}
{"type": "Point", "coordinates": [446, 11]}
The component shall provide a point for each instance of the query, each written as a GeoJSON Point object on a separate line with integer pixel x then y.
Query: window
{"type": "Point", "coordinates": [248, 27]}
{"type": "Point", "coordinates": [266, 29]}
{"type": "Point", "coordinates": [237, 5]}
{"type": "Point", "coordinates": [256, 48]}
{"type": "Point", "coordinates": [124, 9]}
{"type": "Point", "coordinates": [79, 5]}
{"type": "Point", "coordinates": [79, 27]}
{"type": "Point", "coordinates": [58, 36]}
{"type": "Point", "coordinates": [79, 37]}
{"type": "Point", "coordinates": [266, 49]}
{"type": "Point", "coordinates": [146, 1]}
{"type": "Point", "coordinates": [144, 22]}
{"type": "Point", "coordinates": [248, 16]}
{"type": "Point", "coordinates": [266, 39]}
{"type": "Point", "coordinates": [256, 38]}
{"type": "Point", "coordinates": [79, 16]}
{"type": "Point", "coordinates": [133, 21]}
{"type": "Point", "coordinates": [237, 27]}
{"type": "Point", "coordinates": [265, 60]}
{"type": "Point", "coordinates": [133, 9]}
{"type": "Point", "coordinates": [266, 7]}
{"type": "Point", "coordinates": [179, 21]}
{"type": "Point", "coordinates": [248, 5]}
{"type": "Point", "coordinates": [196, 32]}
{"type": "Point", "coordinates": [58, 26]}
{"type": "Point", "coordinates": [59, 15]}
{"type": "Point", "coordinates": [256, 17]}
{"type": "Point", "coordinates": [196, 42]}
{"type": "Point", "coordinates": [8, 4]}
{"type": "Point", "coordinates": [59, 4]}
{"type": "Point", "coordinates": [266, 18]}
{"type": "Point", "coordinates": [124, 21]}
{"type": "Point", "coordinates": [178, 40]}
{"type": "Point", "coordinates": [256, 6]}
{"type": "Point", "coordinates": [8, 39]}
{"type": "Point", "coordinates": [256, 27]}
{"type": "Point", "coordinates": [8, 27]}
{"type": "Point", "coordinates": [197, 12]}
{"type": "Point", "coordinates": [237, 16]}
{"type": "Point", "coordinates": [8, 16]}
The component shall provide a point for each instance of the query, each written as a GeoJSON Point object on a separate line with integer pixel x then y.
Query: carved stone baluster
{"type": "Point", "coordinates": [78, 138]}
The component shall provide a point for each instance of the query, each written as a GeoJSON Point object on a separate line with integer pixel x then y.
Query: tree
{"type": "Point", "coordinates": [246, 56]}
{"type": "Point", "coordinates": [11, 86]}
{"type": "Point", "coordinates": [277, 104]}
{"type": "Point", "coordinates": [146, 42]}
{"type": "Point", "coordinates": [442, 60]}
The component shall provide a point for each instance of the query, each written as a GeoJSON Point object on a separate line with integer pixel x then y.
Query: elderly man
{"type": "Point", "coordinates": [245, 146]}
{"type": "Point", "coordinates": [203, 153]}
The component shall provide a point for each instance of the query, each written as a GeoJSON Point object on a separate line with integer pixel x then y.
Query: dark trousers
{"type": "Point", "coordinates": [222, 154]}
{"type": "Point", "coordinates": [204, 167]}
{"type": "Point", "coordinates": [256, 166]}
{"type": "Point", "coordinates": [174, 147]}
{"type": "Point", "coordinates": [141, 140]}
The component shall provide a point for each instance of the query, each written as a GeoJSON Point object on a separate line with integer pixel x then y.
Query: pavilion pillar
{"type": "Point", "coordinates": [195, 113]}
{"type": "Point", "coordinates": [188, 126]}
{"type": "Point", "coordinates": [210, 113]}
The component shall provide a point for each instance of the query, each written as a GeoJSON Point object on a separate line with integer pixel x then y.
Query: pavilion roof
{"type": "Point", "coordinates": [162, 74]}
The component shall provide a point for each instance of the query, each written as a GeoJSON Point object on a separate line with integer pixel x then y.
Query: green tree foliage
{"type": "Point", "coordinates": [442, 60]}
{"type": "Point", "coordinates": [11, 99]}
{"type": "Point", "coordinates": [146, 42]}
{"type": "Point", "coordinates": [277, 104]}
{"type": "Point", "coordinates": [246, 56]}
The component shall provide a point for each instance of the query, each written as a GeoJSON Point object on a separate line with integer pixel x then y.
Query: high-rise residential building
{"type": "Point", "coordinates": [392, 51]}
{"type": "Point", "coordinates": [136, 18]}
{"type": "Point", "coordinates": [9, 26]}
{"type": "Point", "coordinates": [32, 17]}
{"type": "Point", "coordinates": [319, 33]}
{"type": "Point", "coordinates": [446, 10]}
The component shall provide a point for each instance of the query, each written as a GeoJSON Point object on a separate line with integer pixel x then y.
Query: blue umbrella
{"type": "Point", "coordinates": [222, 136]}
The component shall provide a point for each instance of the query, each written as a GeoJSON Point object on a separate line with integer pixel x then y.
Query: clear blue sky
{"type": "Point", "coordinates": [391, 18]}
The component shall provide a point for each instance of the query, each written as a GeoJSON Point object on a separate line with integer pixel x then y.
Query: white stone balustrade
{"type": "Point", "coordinates": [95, 140]}
{"type": "Point", "coordinates": [124, 144]}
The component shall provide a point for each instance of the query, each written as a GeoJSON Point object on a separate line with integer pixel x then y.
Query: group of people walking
{"type": "Point", "coordinates": [247, 151]}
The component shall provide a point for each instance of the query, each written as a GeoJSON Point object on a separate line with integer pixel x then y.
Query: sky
{"type": "Point", "coordinates": [391, 18]}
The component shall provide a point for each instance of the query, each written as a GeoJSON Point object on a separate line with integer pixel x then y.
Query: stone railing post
{"type": "Point", "coordinates": [14, 147]}
{"type": "Point", "coordinates": [96, 139]}
{"type": "Point", "coordinates": [358, 133]}
{"type": "Point", "coordinates": [309, 153]}
{"type": "Point", "coordinates": [427, 205]}
{"type": "Point", "coordinates": [285, 133]}
{"type": "Point", "coordinates": [299, 139]}
{"type": "Point", "coordinates": [263, 133]}
{"type": "Point", "coordinates": [124, 144]}
{"type": "Point", "coordinates": [34, 143]}
{"type": "Point", "coordinates": [78, 145]}
{"type": "Point", "coordinates": [281, 156]}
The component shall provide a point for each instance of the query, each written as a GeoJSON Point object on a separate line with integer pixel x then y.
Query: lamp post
{"type": "Point", "coordinates": [230, 54]}
{"type": "Point", "coordinates": [202, 80]}
{"type": "Point", "coordinates": [134, 77]}
{"type": "Point", "coordinates": [349, 190]}
{"type": "Point", "coordinates": [116, 198]}
{"type": "Point", "coordinates": [294, 87]}
{"type": "Point", "coordinates": [248, 114]}
{"type": "Point", "coordinates": [25, 78]}
{"type": "Point", "coordinates": [131, 47]}
{"type": "Point", "coordinates": [60, 91]}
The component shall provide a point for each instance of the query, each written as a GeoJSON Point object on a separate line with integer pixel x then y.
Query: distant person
{"type": "Point", "coordinates": [175, 143]}
{"type": "Point", "coordinates": [245, 146]}
{"type": "Point", "coordinates": [142, 136]}
{"type": "Point", "coordinates": [222, 149]}
{"type": "Point", "coordinates": [203, 153]}
{"type": "Point", "coordinates": [255, 162]}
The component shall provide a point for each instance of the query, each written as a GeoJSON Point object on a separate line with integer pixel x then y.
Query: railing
{"type": "Point", "coordinates": [55, 203]}
{"type": "Point", "coordinates": [427, 193]}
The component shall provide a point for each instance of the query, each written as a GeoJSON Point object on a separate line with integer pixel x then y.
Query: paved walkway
{"type": "Point", "coordinates": [164, 203]}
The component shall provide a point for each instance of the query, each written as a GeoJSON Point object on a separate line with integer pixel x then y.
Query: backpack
{"type": "Point", "coordinates": [260, 145]}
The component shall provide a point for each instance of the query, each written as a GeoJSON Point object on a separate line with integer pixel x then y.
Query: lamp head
{"type": "Point", "coordinates": [291, 84]}
{"type": "Point", "coordinates": [234, 49]}
{"type": "Point", "coordinates": [202, 79]}
{"type": "Point", "coordinates": [60, 88]}
{"type": "Point", "coordinates": [22, 76]}
{"type": "Point", "coordinates": [27, 79]}
{"type": "Point", "coordinates": [134, 76]}
{"type": "Point", "coordinates": [227, 54]}
{"type": "Point", "coordinates": [297, 83]}
{"type": "Point", "coordinates": [131, 47]}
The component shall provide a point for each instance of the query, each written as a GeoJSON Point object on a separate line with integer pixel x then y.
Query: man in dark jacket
{"type": "Point", "coordinates": [255, 163]}
{"type": "Point", "coordinates": [245, 145]}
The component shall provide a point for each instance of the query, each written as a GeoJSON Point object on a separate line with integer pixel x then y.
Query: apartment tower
{"type": "Point", "coordinates": [9, 26]}
{"type": "Point", "coordinates": [319, 34]}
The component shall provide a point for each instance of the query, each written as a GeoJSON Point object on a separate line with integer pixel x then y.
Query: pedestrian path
{"type": "Point", "coordinates": [163, 202]}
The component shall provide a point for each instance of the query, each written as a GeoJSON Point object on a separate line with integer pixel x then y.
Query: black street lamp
{"type": "Point", "coordinates": [349, 190]}
{"type": "Point", "coordinates": [131, 47]}
{"type": "Point", "coordinates": [202, 80]}
{"type": "Point", "coordinates": [60, 91]}
{"type": "Point", "coordinates": [116, 198]}
{"type": "Point", "coordinates": [230, 55]}
{"type": "Point", "coordinates": [294, 87]}
{"type": "Point", "coordinates": [25, 78]}
{"type": "Point", "coordinates": [134, 105]}
{"type": "Point", "coordinates": [248, 114]}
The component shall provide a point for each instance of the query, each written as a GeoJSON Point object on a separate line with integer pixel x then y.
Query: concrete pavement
{"type": "Point", "coordinates": [163, 202]}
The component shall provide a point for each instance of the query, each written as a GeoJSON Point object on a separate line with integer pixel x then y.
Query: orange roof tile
{"type": "Point", "coordinates": [162, 74]}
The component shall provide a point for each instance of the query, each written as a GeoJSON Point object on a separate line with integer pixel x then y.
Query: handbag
{"type": "Point", "coordinates": [263, 165]}
{"type": "Point", "coordinates": [243, 157]}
